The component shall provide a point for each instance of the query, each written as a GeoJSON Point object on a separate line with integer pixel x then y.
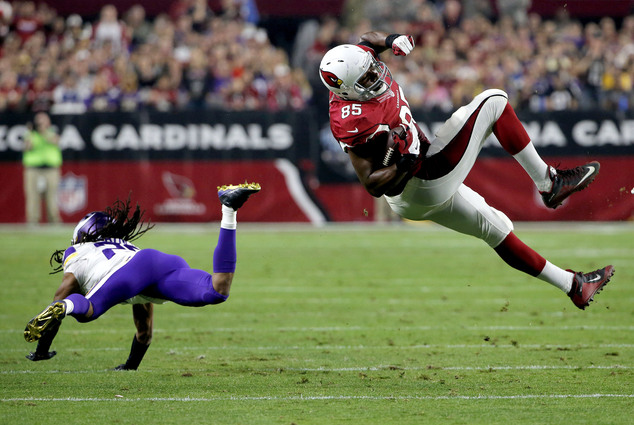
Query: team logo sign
{"type": "Point", "coordinates": [331, 79]}
{"type": "Point", "coordinates": [72, 193]}
{"type": "Point", "coordinates": [181, 202]}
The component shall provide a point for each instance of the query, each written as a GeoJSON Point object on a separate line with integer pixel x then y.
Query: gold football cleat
{"type": "Point", "coordinates": [235, 195]}
{"type": "Point", "coordinates": [49, 318]}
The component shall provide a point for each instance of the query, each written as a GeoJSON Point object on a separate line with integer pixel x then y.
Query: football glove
{"type": "Point", "coordinates": [402, 138]}
{"type": "Point", "coordinates": [403, 45]}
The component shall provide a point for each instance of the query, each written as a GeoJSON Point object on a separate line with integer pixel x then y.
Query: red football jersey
{"type": "Point", "coordinates": [354, 122]}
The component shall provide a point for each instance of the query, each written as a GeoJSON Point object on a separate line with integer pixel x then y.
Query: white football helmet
{"type": "Point", "coordinates": [353, 73]}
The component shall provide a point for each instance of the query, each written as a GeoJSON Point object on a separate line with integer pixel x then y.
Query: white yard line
{"type": "Point", "coordinates": [359, 347]}
{"type": "Point", "coordinates": [538, 328]}
{"type": "Point", "coordinates": [120, 398]}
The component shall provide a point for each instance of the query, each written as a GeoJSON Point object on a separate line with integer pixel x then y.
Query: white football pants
{"type": "Point", "coordinates": [447, 200]}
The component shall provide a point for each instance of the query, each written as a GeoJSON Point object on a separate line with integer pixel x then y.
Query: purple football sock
{"type": "Point", "coordinates": [225, 252]}
{"type": "Point", "coordinates": [81, 305]}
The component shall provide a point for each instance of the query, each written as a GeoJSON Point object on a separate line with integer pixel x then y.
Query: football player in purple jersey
{"type": "Point", "coordinates": [423, 179]}
{"type": "Point", "coordinates": [103, 268]}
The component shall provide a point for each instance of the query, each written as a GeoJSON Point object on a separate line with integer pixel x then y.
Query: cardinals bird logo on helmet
{"type": "Point", "coordinates": [331, 79]}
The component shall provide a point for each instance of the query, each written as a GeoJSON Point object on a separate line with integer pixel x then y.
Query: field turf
{"type": "Point", "coordinates": [336, 325]}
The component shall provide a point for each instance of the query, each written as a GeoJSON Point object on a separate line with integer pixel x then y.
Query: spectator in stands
{"type": "Point", "coordinates": [104, 96]}
{"type": "Point", "coordinates": [147, 73]}
{"type": "Point", "coordinates": [615, 85]}
{"type": "Point", "coordinates": [240, 10]}
{"type": "Point", "coordinates": [138, 26]}
{"type": "Point", "coordinates": [452, 14]}
{"type": "Point", "coordinates": [75, 32]}
{"type": "Point", "coordinates": [39, 96]}
{"type": "Point", "coordinates": [11, 94]}
{"type": "Point", "coordinates": [56, 33]}
{"type": "Point", "coordinates": [201, 15]}
{"type": "Point", "coordinates": [517, 10]}
{"type": "Point", "coordinates": [68, 98]}
{"type": "Point", "coordinates": [6, 16]}
{"type": "Point", "coordinates": [197, 80]}
{"type": "Point", "coordinates": [284, 91]}
{"type": "Point", "coordinates": [242, 93]}
{"type": "Point", "coordinates": [436, 96]}
{"type": "Point", "coordinates": [130, 97]}
{"type": "Point", "coordinates": [110, 29]}
{"type": "Point", "coordinates": [42, 162]}
{"type": "Point", "coordinates": [163, 96]}
{"type": "Point", "coordinates": [26, 22]}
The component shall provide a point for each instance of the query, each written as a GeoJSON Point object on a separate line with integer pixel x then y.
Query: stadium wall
{"type": "Point", "coordinates": [171, 164]}
{"type": "Point", "coordinates": [317, 8]}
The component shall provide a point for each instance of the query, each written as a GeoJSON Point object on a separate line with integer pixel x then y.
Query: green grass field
{"type": "Point", "coordinates": [336, 325]}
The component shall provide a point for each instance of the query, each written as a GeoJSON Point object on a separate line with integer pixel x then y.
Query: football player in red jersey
{"type": "Point", "coordinates": [423, 179]}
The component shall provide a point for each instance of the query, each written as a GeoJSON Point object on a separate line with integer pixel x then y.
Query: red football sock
{"type": "Point", "coordinates": [510, 131]}
{"type": "Point", "coordinates": [520, 256]}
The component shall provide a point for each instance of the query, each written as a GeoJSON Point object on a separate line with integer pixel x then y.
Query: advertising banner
{"type": "Point", "coordinates": [171, 163]}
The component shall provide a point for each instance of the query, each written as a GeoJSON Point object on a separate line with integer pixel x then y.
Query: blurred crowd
{"type": "Point", "coordinates": [465, 47]}
{"type": "Point", "coordinates": [188, 58]}
{"type": "Point", "coordinates": [193, 57]}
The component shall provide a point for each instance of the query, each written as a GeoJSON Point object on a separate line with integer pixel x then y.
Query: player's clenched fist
{"type": "Point", "coordinates": [403, 45]}
{"type": "Point", "coordinates": [402, 138]}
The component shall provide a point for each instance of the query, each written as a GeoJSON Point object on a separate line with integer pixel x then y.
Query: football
{"type": "Point", "coordinates": [391, 151]}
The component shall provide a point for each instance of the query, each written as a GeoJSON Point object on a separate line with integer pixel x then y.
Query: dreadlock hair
{"type": "Point", "coordinates": [120, 225]}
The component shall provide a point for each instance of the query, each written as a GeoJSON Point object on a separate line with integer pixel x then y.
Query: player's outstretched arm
{"type": "Point", "coordinates": [401, 45]}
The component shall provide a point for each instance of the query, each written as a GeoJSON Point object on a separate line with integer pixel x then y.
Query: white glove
{"type": "Point", "coordinates": [403, 45]}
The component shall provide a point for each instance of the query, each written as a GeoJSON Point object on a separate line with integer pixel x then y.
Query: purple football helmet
{"type": "Point", "coordinates": [89, 225]}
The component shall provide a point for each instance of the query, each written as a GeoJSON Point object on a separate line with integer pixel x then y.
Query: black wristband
{"type": "Point", "coordinates": [390, 39]}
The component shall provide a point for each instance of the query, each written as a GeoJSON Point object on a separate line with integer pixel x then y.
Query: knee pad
{"type": "Point", "coordinates": [494, 101]}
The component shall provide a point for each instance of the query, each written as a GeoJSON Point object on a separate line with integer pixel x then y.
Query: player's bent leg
{"type": "Point", "coordinates": [555, 185]}
{"type": "Point", "coordinates": [225, 254]}
{"type": "Point", "coordinates": [221, 283]}
{"type": "Point", "coordinates": [79, 307]}
{"type": "Point", "coordinates": [50, 319]}
{"type": "Point", "coordinates": [468, 127]}
{"type": "Point", "coordinates": [510, 132]}
{"type": "Point", "coordinates": [520, 256]}
{"type": "Point", "coordinates": [467, 212]}
{"type": "Point", "coordinates": [187, 287]}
